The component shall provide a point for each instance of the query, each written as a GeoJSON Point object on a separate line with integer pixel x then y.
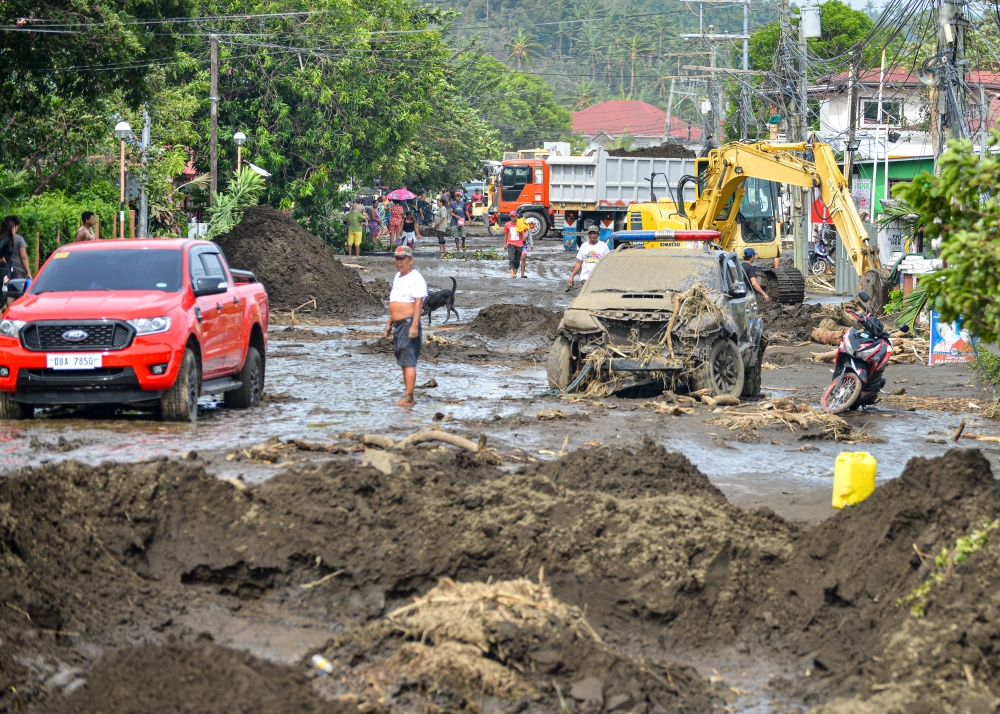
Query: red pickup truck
{"type": "Point", "coordinates": [147, 323]}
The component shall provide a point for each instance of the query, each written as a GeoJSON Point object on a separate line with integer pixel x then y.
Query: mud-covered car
{"type": "Point", "coordinates": [680, 318]}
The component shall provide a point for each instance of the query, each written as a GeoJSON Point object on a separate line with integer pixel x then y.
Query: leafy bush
{"type": "Point", "coordinates": [895, 303]}
{"type": "Point", "coordinates": [55, 217]}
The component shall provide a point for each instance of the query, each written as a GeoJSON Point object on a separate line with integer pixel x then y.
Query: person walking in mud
{"type": "Point", "coordinates": [513, 243]}
{"type": "Point", "coordinates": [749, 256]}
{"type": "Point", "coordinates": [457, 212]}
{"type": "Point", "coordinates": [588, 256]}
{"type": "Point", "coordinates": [406, 300]}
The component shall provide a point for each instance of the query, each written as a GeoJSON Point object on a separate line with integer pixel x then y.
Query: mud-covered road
{"type": "Point", "coordinates": [325, 382]}
{"type": "Point", "coordinates": [641, 554]}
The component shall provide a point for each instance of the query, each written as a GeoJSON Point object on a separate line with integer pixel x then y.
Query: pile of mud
{"type": "Point", "coordinates": [664, 151]}
{"type": "Point", "coordinates": [379, 288]}
{"type": "Point", "coordinates": [516, 323]}
{"type": "Point", "coordinates": [295, 266]}
{"type": "Point", "coordinates": [641, 542]}
{"type": "Point", "coordinates": [199, 677]}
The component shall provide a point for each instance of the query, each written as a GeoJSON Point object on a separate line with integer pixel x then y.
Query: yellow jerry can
{"type": "Point", "coordinates": [853, 478]}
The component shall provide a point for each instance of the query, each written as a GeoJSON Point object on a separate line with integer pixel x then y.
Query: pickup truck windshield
{"type": "Point", "coordinates": [149, 269]}
{"type": "Point", "coordinates": [654, 270]}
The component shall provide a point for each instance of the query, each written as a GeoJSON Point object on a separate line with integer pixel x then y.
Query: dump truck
{"type": "Point", "coordinates": [573, 193]}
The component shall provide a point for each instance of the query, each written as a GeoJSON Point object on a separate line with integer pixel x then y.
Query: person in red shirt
{"type": "Point", "coordinates": [514, 242]}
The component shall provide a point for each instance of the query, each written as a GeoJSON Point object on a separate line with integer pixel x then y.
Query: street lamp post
{"type": "Point", "coordinates": [240, 139]}
{"type": "Point", "coordinates": [122, 131]}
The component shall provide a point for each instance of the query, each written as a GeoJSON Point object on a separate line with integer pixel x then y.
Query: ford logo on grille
{"type": "Point", "coordinates": [75, 335]}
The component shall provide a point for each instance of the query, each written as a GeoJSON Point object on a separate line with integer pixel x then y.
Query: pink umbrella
{"type": "Point", "coordinates": [401, 194]}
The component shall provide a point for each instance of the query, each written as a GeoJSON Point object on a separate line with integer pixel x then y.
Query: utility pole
{"type": "Point", "coordinates": [853, 97]}
{"type": "Point", "coordinates": [143, 228]}
{"type": "Point", "coordinates": [744, 108]}
{"type": "Point", "coordinates": [670, 108]}
{"type": "Point", "coordinates": [213, 155]}
{"type": "Point", "coordinates": [951, 75]}
{"type": "Point", "coordinates": [712, 122]}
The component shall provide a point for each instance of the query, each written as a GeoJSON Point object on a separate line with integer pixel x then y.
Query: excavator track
{"type": "Point", "coordinates": [786, 285]}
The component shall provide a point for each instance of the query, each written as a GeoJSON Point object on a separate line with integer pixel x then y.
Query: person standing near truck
{"type": "Point", "coordinates": [588, 256]}
{"type": "Point", "coordinates": [406, 300]}
{"type": "Point", "coordinates": [749, 256]}
{"type": "Point", "coordinates": [514, 243]}
{"type": "Point", "coordinates": [457, 211]}
{"type": "Point", "coordinates": [86, 230]}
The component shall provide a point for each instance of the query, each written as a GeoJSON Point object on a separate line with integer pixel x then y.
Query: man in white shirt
{"type": "Point", "coordinates": [588, 255]}
{"type": "Point", "coordinates": [406, 299]}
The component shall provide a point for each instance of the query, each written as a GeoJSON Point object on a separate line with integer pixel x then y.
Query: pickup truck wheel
{"type": "Point", "coordinates": [252, 387]}
{"type": "Point", "coordinates": [722, 372]}
{"type": "Point", "coordinates": [13, 409]}
{"type": "Point", "coordinates": [752, 374]}
{"type": "Point", "coordinates": [180, 402]}
{"type": "Point", "coordinates": [561, 367]}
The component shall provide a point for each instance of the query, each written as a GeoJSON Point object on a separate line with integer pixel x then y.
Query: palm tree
{"type": "Point", "coordinates": [659, 25]}
{"type": "Point", "coordinates": [522, 47]}
{"type": "Point", "coordinates": [585, 94]}
{"type": "Point", "coordinates": [634, 48]}
{"type": "Point", "coordinates": [589, 46]}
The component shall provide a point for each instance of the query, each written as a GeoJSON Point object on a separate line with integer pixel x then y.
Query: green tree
{"type": "Point", "coordinates": [350, 95]}
{"type": "Point", "coordinates": [51, 47]}
{"type": "Point", "coordinates": [960, 207]}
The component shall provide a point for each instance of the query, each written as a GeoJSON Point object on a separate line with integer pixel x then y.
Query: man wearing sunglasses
{"type": "Point", "coordinates": [405, 303]}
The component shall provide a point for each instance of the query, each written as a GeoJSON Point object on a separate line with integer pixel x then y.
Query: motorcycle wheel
{"type": "Point", "coordinates": [818, 267]}
{"type": "Point", "coordinates": [842, 393]}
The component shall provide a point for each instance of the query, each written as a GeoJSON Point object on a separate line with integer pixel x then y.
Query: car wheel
{"type": "Point", "coordinates": [539, 227]}
{"type": "Point", "coordinates": [252, 379]}
{"type": "Point", "coordinates": [723, 371]}
{"type": "Point", "coordinates": [180, 402]}
{"type": "Point", "coordinates": [10, 408]}
{"type": "Point", "coordinates": [562, 366]}
{"type": "Point", "coordinates": [752, 374]}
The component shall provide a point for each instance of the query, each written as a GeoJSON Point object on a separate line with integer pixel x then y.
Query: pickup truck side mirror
{"type": "Point", "coordinates": [17, 287]}
{"type": "Point", "coordinates": [210, 286]}
{"type": "Point", "coordinates": [738, 290]}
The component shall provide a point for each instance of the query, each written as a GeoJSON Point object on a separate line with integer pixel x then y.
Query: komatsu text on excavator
{"type": "Point", "coordinates": [736, 194]}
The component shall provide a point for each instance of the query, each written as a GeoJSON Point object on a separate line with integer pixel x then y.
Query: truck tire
{"type": "Point", "coordinates": [539, 224]}
{"type": "Point", "coordinates": [252, 387]}
{"type": "Point", "coordinates": [752, 373]}
{"type": "Point", "coordinates": [561, 367]}
{"type": "Point", "coordinates": [13, 409]}
{"type": "Point", "coordinates": [180, 402]}
{"type": "Point", "coordinates": [722, 372]}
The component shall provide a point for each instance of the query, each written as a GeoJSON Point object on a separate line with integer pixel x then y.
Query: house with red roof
{"type": "Point", "coordinates": [896, 145]}
{"type": "Point", "coordinates": [604, 122]}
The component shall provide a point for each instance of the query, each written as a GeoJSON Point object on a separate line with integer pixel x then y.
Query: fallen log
{"type": "Point", "coordinates": [823, 356]}
{"type": "Point", "coordinates": [443, 436]}
{"type": "Point", "coordinates": [828, 337]}
{"type": "Point", "coordinates": [377, 440]}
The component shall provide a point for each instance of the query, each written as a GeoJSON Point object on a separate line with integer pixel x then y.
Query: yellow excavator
{"type": "Point", "coordinates": [736, 194]}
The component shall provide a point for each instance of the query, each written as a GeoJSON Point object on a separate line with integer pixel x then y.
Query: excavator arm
{"type": "Point", "coordinates": [730, 166]}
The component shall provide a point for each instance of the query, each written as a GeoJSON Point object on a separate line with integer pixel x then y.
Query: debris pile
{"type": "Point", "coordinates": [794, 415]}
{"type": "Point", "coordinates": [789, 324]}
{"type": "Point", "coordinates": [511, 642]}
{"type": "Point", "coordinates": [297, 268]}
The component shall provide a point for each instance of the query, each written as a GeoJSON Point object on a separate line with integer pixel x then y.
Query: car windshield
{"type": "Point", "coordinates": [86, 270]}
{"type": "Point", "coordinates": [654, 270]}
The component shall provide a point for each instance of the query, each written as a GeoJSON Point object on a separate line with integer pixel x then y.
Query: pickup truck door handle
{"type": "Point", "coordinates": [218, 306]}
{"type": "Point", "coordinates": [197, 313]}
{"type": "Point", "coordinates": [236, 301]}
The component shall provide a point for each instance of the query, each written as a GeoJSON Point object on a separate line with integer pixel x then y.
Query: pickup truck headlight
{"type": "Point", "coordinates": [150, 325]}
{"type": "Point", "coordinates": [11, 328]}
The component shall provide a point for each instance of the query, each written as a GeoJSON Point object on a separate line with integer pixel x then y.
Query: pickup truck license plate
{"type": "Point", "coordinates": [71, 361]}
